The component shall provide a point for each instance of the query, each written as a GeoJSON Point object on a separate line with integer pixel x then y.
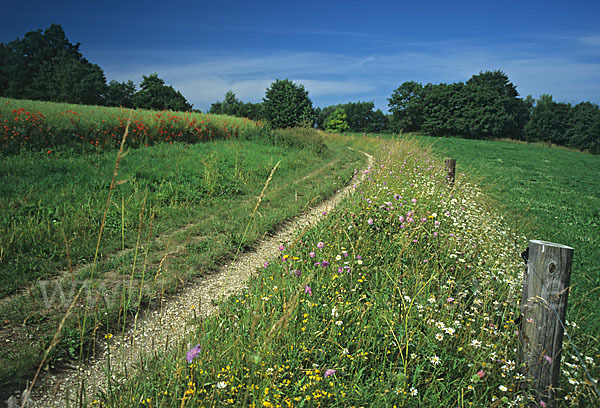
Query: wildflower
{"type": "Point", "coordinates": [449, 330]}
{"type": "Point", "coordinates": [548, 359]}
{"type": "Point", "coordinates": [413, 391]}
{"type": "Point", "coordinates": [328, 372]}
{"type": "Point", "coordinates": [339, 323]}
{"type": "Point", "coordinates": [370, 221]}
{"type": "Point", "coordinates": [108, 336]}
{"type": "Point", "coordinates": [543, 404]}
{"type": "Point", "coordinates": [320, 244]}
{"type": "Point", "coordinates": [480, 373]}
{"type": "Point", "coordinates": [435, 360]}
{"type": "Point", "coordinates": [439, 336]}
{"type": "Point", "coordinates": [450, 299]}
{"type": "Point", "coordinates": [338, 257]}
{"type": "Point", "coordinates": [311, 254]}
{"type": "Point", "coordinates": [193, 353]}
{"type": "Point", "coordinates": [281, 247]}
{"type": "Point", "coordinates": [502, 388]}
{"type": "Point", "coordinates": [221, 384]}
{"type": "Point", "coordinates": [325, 264]}
{"type": "Point", "coordinates": [475, 343]}
{"type": "Point", "coordinates": [414, 200]}
{"type": "Point", "coordinates": [308, 290]}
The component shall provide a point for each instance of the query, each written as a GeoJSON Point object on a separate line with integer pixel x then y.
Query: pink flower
{"type": "Point", "coordinates": [542, 403]}
{"type": "Point", "coordinates": [450, 299]}
{"type": "Point", "coordinates": [480, 373]}
{"type": "Point", "coordinates": [548, 359]}
{"type": "Point", "coordinates": [311, 254]}
{"type": "Point", "coordinates": [308, 290]}
{"type": "Point", "coordinates": [320, 244]}
{"type": "Point", "coordinates": [193, 353]}
{"type": "Point", "coordinates": [370, 221]}
{"type": "Point", "coordinates": [328, 372]}
{"type": "Point", "coordinates": [281, 247]}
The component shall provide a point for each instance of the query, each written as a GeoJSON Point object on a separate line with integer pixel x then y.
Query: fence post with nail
{"type": "Point", "coordinates": [543, 311]}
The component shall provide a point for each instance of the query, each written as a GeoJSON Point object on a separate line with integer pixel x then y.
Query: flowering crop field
{"type": "Point", "coordinates": [406, 295]}
{"type": "Point", "coordinates": [34, 125]}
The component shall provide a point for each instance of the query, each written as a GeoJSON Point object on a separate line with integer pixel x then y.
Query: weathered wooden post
{"type": "Point", "coordinates": [450, 171]}
{"type": "Point", "coordinates": [543, 311]}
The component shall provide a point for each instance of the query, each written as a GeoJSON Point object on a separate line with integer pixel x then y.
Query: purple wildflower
{"type": "Point", "coordinates": [193, 353]}
{"type": "Point", "coordinates": [281, 247]}
{"type": "Point", "coordinates": [325, 264]}
{"type": "Point", "coordinates": [370, 221]}
{"type": "Point", "coordinates": [320, 244]}
{"type": "Point", "coordinates": [328, 372]}
{"type": "Point", "coordinates": [308, 290]}
{"type": "Point", "coordinates": [311, 254]}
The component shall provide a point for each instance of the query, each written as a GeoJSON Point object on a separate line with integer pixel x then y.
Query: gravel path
{"type": "Point", "coordinates": [161, 328]}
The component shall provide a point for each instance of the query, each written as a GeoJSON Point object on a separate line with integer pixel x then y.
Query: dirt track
{"type": "Point", "coordinates": [162, 327]}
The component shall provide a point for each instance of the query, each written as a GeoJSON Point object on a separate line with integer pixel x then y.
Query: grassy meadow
{"type": "Point", "coordinates": [552, 194]}
{"type": "Point", "coordinates": [406, 295]}
{"type": "Point", "coordinates": [176, 211]}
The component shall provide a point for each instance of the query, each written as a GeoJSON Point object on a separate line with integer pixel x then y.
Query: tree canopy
{"type": "Point", "coordinates": [154, 94]}
{"type": "Point", "coordinates": [287, 104]}
{"type": "Point", "coordinates": [232, 106]}
{"type": "Point", "coordinates": [44, 65]}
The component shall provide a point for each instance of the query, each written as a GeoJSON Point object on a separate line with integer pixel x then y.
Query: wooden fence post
{"type": "Point", "coordinates": [543, 308]}
{"type": "Point", "coordinates": [450, 170]}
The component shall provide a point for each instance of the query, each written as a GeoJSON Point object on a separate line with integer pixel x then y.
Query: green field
{"type": "Point", "coordinates": [407, 294]}
{"type": "Point", "coordinates": [193, 202]}
{"type": "Point", "coordinates": [551, 194]}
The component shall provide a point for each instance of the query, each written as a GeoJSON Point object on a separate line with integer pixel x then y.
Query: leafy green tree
{"type": "Point", "coordinates": [44, 65]}
{"type": "Point", "coordinates": [406, 106]}
{"type": "Point", "coordinates": [337, 121]}
{"type": "Point", "coordinates": [492, 108]}
{"type": "Point", "coordinates": [583, 130]}
{"type": "Point", "coordinates": [287, 104]}
{"type": "Point", "coordinates": [548, 122]}
{"type": "Point", "coordinates": [360, 116]}
{"type": "Point", "coordinates": [120, 94]}
{"type": "Point", "coordinates": [234, 107]}
{"type": "Point", "coordinates": [443, 109]}
{"type": "Point", "coordinates": [154, 94]}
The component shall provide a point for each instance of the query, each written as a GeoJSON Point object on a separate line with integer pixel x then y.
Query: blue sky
{"type": "Point", "coordinates": [341, 51]}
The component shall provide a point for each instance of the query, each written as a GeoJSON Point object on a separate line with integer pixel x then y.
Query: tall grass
{"type": "Point", "coordinates": [406, 295]}
{"type": "Point", "coordinates": [165, 224]}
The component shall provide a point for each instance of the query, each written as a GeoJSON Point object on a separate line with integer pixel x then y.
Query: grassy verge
{"type": "Point", "coordinates": [178, 211]}
{"type": "Point", "coordinates": [552, 194]}
{"type": "Point", "coordinates": [406, 295]}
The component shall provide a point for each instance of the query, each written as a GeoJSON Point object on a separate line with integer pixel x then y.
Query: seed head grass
{"type": "Point", "coordinates": [407, 294]}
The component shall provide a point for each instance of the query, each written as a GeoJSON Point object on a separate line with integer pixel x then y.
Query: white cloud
{"type": "Point", "coordinates": [570, 73]}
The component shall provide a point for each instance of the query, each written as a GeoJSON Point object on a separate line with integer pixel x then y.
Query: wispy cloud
{"type": "Point", "coordinates": [570, 72]}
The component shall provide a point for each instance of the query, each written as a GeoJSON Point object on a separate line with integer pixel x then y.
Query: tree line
{"type": "Point", "coordinates": [45, 66]}
{"type": "Point", "coordinates": [488, 106]}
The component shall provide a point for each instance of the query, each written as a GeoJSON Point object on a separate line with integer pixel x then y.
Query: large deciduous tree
{"type": "Point", "coordinates": [406, 106]}
{"type": "Point", "coordinates": [287, 104]}
{"type": "Point", "coordinates": [154, 94]}
{"type": "Point", "coordinates": [337, 121]}
{"type": "Point", "coordinates": [44, 65]}
{"type": "Point", "coordinates": [120, 94]}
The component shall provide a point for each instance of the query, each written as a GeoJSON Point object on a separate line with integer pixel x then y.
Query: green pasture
{"type": "Point", "coordinates": [192, 201]}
